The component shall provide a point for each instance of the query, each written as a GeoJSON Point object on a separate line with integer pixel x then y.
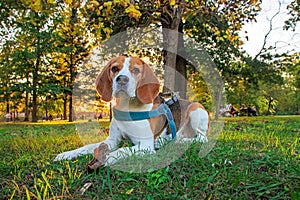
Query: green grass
{"type": "Point", "coordinates": [254, 158]}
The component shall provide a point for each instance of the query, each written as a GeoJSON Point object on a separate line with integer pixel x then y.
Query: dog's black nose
{"type": "Point", "coordinates": [122, 80]}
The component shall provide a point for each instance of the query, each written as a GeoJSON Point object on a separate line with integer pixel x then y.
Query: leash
{"type": "Point", "coordinates": [163, 109]}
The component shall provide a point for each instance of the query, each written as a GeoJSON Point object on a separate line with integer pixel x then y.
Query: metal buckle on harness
{"type": "Point", "coordinates": [174, 97]}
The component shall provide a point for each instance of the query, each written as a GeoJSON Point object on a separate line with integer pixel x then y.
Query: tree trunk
{"type": "Point", "coordinates": [70, 108]}
{"type": "Point", "coordinates": [170, 59]}
{"type": "Point", "coordinates": [26, 119]}
{"type": "Point", "coordinates": [34, 93]}
{"type": "Point", "coordinates": [71, 89]}
{"type": "Point", "coordinates": [219, 98]}
{"type": "Point", "coordinates": [35, 77]}
{"type": "Point", "coordinates": [65, 106]}
{"type": "Point", "coordinates": [46, 110]}
{"type": "Point", "coordinates": [7, 106]}
{"type": "Point", "coordinates": [170, 26]}
{"type": "Point", "coordinates": [181, 76]}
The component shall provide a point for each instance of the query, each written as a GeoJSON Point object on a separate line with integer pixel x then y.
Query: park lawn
{"type": "Point", "coordinates": [254, 158]}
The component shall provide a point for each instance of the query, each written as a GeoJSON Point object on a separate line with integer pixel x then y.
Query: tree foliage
{"type": "Point", "coordinates": [44, 43]}
{"type": "Point", "coordinates": [294, 11]}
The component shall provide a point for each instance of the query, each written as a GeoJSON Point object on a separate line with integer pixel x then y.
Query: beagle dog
{"type": "Point", "coordinates": [131, 83]}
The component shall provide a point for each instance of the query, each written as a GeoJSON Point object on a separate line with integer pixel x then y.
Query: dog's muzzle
{"type": "Point", "coordinates": [122, 84]}
{"type": "Point", "coordinates": [122, 80]}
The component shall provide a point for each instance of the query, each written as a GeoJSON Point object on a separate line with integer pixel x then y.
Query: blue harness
{"type": "Point", "coordinates": [163, 109]}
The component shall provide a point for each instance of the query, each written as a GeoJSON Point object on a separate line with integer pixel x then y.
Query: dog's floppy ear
{"type": "Point", "coordinates": [104, 83]}
{"type": "Point", "coordinates": [148, 86]}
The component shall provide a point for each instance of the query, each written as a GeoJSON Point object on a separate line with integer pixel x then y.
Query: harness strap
{"type": "Point", "coordinates": [163, 109]}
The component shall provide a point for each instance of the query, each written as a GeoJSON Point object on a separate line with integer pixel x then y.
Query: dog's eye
{"type": "Point", "coordinates": [135, 70]}
{"type": "Point", "coordinates": [114, 69]}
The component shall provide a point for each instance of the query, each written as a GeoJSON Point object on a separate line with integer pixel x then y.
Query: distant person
{"type": "Point", "coordinates": [233, 111]}
{"type": "Point", "coordinates": [223, 112]}
{"type": "Point", "coordinates": [8, 117]}
{"type": "Point", "coordinates": [252, 111]}
{"type": "Point", "coordinates": [243, 109]}
{"type": "Point", "coordinates": [44, 118]}
{"type": "Point", "coordinates": [254, 108]}
{"type": "Point", "coordinates": [227, 107]}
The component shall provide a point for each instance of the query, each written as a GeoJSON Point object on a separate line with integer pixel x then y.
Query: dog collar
{"type": "Point", "coordinates": [163, 109]}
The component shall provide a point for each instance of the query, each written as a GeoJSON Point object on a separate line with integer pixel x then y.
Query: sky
{"type": "Point", "coordinates": [284, 40]}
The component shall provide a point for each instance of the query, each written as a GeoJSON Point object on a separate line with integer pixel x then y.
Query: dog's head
{"type": "Point", "coordinates": [127, 77]}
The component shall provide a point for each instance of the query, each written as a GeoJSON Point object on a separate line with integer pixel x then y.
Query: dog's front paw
{"type": "Point", "coordinates": [69, 155]}
{"type": "Point", "coordinates": [100, 155]}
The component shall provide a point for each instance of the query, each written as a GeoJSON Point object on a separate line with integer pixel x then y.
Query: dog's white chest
{"type": "Point", "coordinates": [135, 130]}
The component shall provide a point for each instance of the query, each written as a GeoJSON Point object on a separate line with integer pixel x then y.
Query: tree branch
{"type": "Point", "coordinates": [268, 33]}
